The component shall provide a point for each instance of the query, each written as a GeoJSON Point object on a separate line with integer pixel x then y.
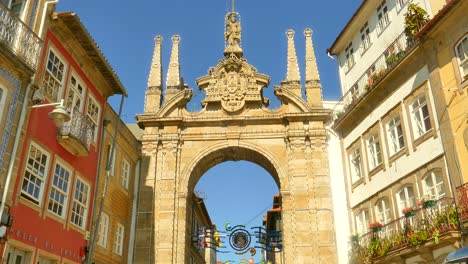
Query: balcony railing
{"type": "Point", "coordinates": [19, 38]}
{"type": "Point", "coordinates": [394, 53]}
{"type": "Point", "coordinates": [76, 134]}
{"type": "Point", "coordinates": [431, 223]}
{"type": "Point", "coordinates": [462, 201]}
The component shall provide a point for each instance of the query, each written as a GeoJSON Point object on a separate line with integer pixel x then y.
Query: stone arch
{"type": "Point", "coordinates": [222, 152]}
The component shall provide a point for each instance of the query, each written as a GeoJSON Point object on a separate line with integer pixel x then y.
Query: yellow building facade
{"type": "Point", "coordinates": [114, 234]}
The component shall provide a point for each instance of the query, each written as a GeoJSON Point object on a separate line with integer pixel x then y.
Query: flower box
{"type": "Point", "coordinates": [376, 226]}
{"type": "Point", "coordinates": [408, 212]}
{"type": "Point", "coordinates": [428, 204]}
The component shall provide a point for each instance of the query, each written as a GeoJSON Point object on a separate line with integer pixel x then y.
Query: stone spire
{"type": "Point", "coordinates": [292, 74]}
{"type": "Point", "coordinates": [153, 94]}
{"type": "Point", "coordinates": [313, 86]}
{"type": "Point", "coordinates": [174, 81]}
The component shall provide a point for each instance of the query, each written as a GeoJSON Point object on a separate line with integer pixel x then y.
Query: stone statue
{"type": "Point", "coordinates": [232, 35]}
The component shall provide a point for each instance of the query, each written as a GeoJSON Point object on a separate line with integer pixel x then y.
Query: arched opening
{"type": "Point", "coordinates": [232, 190]}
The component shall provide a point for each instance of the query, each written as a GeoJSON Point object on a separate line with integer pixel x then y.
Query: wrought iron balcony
{"type": "Point", "coordinates": [18, 38]}
{"type": "Point", "coordinates": [76, 134]}
{"type": "Point", "coordinates": [394, 53]}
{"type": "Point", "coordinates": [433, 224]}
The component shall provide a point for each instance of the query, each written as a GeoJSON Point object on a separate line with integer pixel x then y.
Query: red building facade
{"type": "Point", "coordinates": [52, 194]}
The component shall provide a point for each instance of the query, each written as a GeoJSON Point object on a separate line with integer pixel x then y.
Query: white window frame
{"type": "Point", "coordinates": [125, 174]}
{"type": "Point", "coordinates": [355, 161]}
{"type": "Point", "coordinates": [383, 211]}
{"type": "Point", "coordinates": [38, 174]}
{"type": "Point", "coordinates": [78, 203]}
{"type": "Point", "coordinates": [434, 185]}
{"type": "Point", "coordinates": [119, 239]}
{"type": "Point", "coordinates": [396, 139]}
{"type": "Point", "coordinates": [400, 4]}
{"type": "Point", "coordinates": [59, 82]}
{"type": "Point", "coordinates": [382, 17]}
{"type": "Point", "coordinates": [462, 59]}
{"type": "Point", "coordinates": [406, 198]}
{"type": "Point", "coordinates": [103, 230]}
{"type": "Point", "coordinates": [58, 186]}
{"type": "Point", "coordinates": [421, 116]}
{"type": "Point", "coordinates": [3, 96]}
{"type": "Point", "coordinates": [94, 120]}
{"type": "Point", "coordinates": [366, 42]}
{"type": "Point", "coordinates": [362, 222]}
{"type": "Point", "coordinates": [374, 151]}
{"type": "Point", "coordinates": [349, 56]}
{"type": "Point", "coordinates": [77, 96]}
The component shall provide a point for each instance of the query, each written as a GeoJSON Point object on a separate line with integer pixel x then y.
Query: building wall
{"type": "Point", "coordinates": [340, 204]}
{"type": "Point", "coordinates": [120, 194]}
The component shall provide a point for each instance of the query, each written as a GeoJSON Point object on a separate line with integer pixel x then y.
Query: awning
{"type": "Point", "coordinates": [460, 255]}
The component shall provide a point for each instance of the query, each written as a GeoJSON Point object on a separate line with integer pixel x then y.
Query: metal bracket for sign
{"type": "Point", "coordinates": [241, 240]}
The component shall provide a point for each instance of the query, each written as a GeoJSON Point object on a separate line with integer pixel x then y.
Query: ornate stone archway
{"type": "Point", "coordinates": [234, 124]}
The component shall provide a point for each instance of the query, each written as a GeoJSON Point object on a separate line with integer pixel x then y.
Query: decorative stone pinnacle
{"type": "Point", "coordinates": [173, 73]}
{"type": "Point", "coordinates": [155, 75]}
{"type": "Point", "coordinates": [292, 74]}
{"type": "Point", "coordinates": [312, 73]}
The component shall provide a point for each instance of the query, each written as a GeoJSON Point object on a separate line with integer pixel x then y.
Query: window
{"type": "Point", "coordinates": [17, 256]}
{"type": "Point", "coordinates": [420, 115]}
{"type": "Point", "coordinates": [395, 132]}
{"type": "Point", "coordinates": [349, 54]}
{"type": "Point", "coordinates": [125, 174]}
{"type": "Point", "coordinates": [362, 222]}
{"type": "Point", "coordinates": [35, 174]}
{"type": "Point", "coordinates": [373, 147]}
{"type": "Point", "coordinates": [365, 38]}
{"type": "Point", "coordinates": [462, 56]}
{"type": "Point", "coordinates": [53, 76]}
{"type": "Point", "coordinates": [401, 4]}
{"type": "Point", "coordinates": [119, 239]}
{"type": "Point", "coordinates": [80, 203]}
{"type": "Point", "coordinates": [356, 168]}
{"type": "Point", "coordinates": [406, 198]}
{"type": "Point", "coordinates": [16, 6]}
{"type": "Point", "coordinates": [93, 112]}
{"type": "Point", "coordinates": [3, 95]}
{"type": "Point", "coordinates": [111, 159]}
{"type": "Point", "coordinates": [59, 190]}
{"type": "Point", "coordinates": [103, 230]}
{"type": "Point", "coordinates": [75, 95]}
{"type": "Point", "coordinates": [382, 17]}
{"type": "Point", "coordinates": [434, 186]}
{"type": "Point", "coordinates": [382, 211]}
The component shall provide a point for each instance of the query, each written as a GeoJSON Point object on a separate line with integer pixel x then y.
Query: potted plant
{"type": "Point", "coordinates": [408, 212]}
{"type": "Point", "coordinates": [376, 226]}
{"type": "Point", "coordinates": [427, 203]}
{"type": "Point", "coordinates": [391, 60]}
{"type": "Point", "coordinates": [415, 19]}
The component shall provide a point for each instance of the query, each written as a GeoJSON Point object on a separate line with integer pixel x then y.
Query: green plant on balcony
{"type": "Point", "coordinates": [339, 114]}
{"type": "Point", "coordinates": [359, 253]}
{"type": "Point", "coordinates": [408, 212]}
{"type": "Point", "coordinates": [391, 60]}
{"type": "Point", "coordinates": [415, 19]}
{"type": "Point", "coordinates": [417, 237]}
{"type": "Point", "coordinates": [374, 78]}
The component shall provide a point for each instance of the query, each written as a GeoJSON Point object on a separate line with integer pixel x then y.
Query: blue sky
{"type": "Point", "coordinates": [125, 31]}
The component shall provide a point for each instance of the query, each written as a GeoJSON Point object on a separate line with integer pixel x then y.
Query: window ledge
{"type": "Point", "coordinates": [375, 170]}
{"type": "Point", "coordinates": [397, 155]}
{"type": "Point", "coordinates": [357, 183]}
{"type": "Point", "coordinates": [430, 133]}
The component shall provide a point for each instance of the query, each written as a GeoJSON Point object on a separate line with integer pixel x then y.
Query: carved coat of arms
{"type": "Point", "coordinates": [233, 91]}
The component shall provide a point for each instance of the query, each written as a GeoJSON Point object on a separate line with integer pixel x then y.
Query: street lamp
{"type": "Point", "coordinates": [59, 115]}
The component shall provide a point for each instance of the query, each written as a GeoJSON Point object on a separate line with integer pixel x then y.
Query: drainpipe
{"type": "Point", "coordinates": [15, 146]}
{"type": "Point", "coordinates": [43, 17]}
{"type": "Point", "coordinates": [131, 246]}
{"type": "Point", "coordinates": [98, 174]}
{"type": "Point", "coordinates": [106, 181]}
